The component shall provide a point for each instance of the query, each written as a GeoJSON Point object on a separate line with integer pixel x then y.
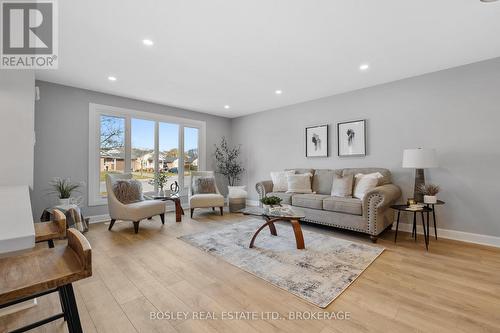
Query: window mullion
{"type": "Point", "coordinates": [157, 152]}
{"type": "Point", "coordinates": [128, 144]}
{"type": "Point", "coordinates": [180, 167]}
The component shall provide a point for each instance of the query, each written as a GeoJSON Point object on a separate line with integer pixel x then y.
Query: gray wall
{"type": "Point", "coordinates": [456, 111]}
{"type": "Point", "coordinates": [62, 136]}
{"type": "Point", "coordinates": [17, 99]}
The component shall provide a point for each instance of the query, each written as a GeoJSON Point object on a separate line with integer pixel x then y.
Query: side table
{"type": "Point", "coordinates": [175, 198]}
{"type": "Point", "coordinates": [421, 210]}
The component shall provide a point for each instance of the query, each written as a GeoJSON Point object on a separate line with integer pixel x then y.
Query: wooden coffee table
{"type": "Point", "coordinates": [292, 215]}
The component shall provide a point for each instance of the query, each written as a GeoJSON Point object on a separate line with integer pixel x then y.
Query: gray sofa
{"type": "Point", "coordinates": [370, 215]}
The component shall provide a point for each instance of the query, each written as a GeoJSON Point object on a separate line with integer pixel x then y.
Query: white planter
{"type": "Point", "coordinates": [236, 198]}
{"type": "Point", "coordinates": [430, 199]}
{"type": "Point", "coordinates": [64, 202]}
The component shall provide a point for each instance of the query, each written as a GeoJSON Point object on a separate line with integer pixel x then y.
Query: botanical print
{"type": "Point", "coordinates": [317, 141]}
{"type": "Point", "coordinates": [351, 138]}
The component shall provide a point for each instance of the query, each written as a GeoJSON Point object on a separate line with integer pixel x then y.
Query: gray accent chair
{"type": "Point", "coordinates": [134, 212]}
{"type": "Point", "coordinates": [371, 215]}
{"type": "Point", "coordinates": [208, 200]}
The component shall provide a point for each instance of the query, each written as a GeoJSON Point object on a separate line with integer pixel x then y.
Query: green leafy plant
{"type": "Point", "coordinates": [428, 189]}
{"type": "Point", "coordinates": [160, 180]}
{"type": "Point", "coordinates": [228, 163]}
{"type": "Point", "coordinates": [271, 201]}
{"type": "Point", "coordinates": [63, 187]}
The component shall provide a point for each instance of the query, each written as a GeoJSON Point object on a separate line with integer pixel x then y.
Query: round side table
{"type": "Point", "coordinates": [420, 210]}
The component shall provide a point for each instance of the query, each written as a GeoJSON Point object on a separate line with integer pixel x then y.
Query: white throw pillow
{"type": "Point", "coordinates": [300, 183]}
{"type": "Point", "coordinates": [342, 186]}
{"type": "Point", "coordinates": [280, 182]}
{"type": "Point", "coordinates": [363, 183]}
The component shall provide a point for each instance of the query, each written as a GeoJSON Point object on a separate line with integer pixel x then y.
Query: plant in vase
{"type": "Point", "coordinates": [228, 163]}
{"type": "Point", "coordinates": [64, 187]}
{"type": "Point", "coordinates": [269, 202]}
{"type": "Point", "coordinates": [160, 181]}
{"type": "Point", "coordinates": [429, 191]}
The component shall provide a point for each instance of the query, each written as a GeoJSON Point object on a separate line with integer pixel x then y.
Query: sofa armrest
{"type": "Point", "coordinates": [264, 187]}
{"type": "Point", "coordinates": [386, 195]}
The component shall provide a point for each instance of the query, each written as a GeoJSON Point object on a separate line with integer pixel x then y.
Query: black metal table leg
{"type": "Point", "coordinates": [434, 219]}
{"type": "Point", "coordinates": [397, 227]}
{"type": "Point", "coordinates": [426, 240]}
{"type": "Point", "coordinates": [73, 319]}
{"type": "Point", "coordinates": [51, 243]}
{"type": "Point", "coordinates": [414, 232]}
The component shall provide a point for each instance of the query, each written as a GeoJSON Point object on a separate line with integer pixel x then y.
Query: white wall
{"type": "Point", "coordinates": [17, 98]}
{"type": "Point", "coordinates": [456, 111]}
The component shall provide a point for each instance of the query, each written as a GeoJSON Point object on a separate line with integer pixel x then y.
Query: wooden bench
{"type": "Point", "coordinates": [48, 231]}
{"type": "Point", "coordinates": [43, 271]}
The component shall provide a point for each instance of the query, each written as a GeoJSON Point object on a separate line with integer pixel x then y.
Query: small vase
{"type": "Point", "coordinates": [430, 199]}
{"type": "Point", "coordinates": [64, 202]}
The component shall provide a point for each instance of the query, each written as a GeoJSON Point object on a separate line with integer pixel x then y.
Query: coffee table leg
{"type": "Point", "coordinates": [297, 230]}
{"type": "Point", "coordinates": [268, 223]}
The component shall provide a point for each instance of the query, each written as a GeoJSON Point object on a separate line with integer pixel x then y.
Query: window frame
{"type": "Point", "coordinates": [98, 110]}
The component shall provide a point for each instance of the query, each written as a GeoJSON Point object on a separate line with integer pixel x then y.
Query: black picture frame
{"type": "Point", "coordinates": [340, 142]}
{"type": "Point", "coordinates": [323, 127]}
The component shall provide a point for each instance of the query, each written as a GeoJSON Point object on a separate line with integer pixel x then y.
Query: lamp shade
{"type": "Point", "coordinates": [419, 158]}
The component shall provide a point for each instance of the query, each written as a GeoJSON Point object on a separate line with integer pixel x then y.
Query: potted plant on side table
{"type": "Point", "coordinates": [160, 180]}
{"type": "Point", "coordinates": [270, 202]}
{"type": "Point", "coordinates": [64, 187]}
{"type": "Point", "coordinates": [429, 191]}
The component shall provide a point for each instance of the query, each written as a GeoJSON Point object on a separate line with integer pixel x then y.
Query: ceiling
{"type": "Point", "coordinates": [208, 54]}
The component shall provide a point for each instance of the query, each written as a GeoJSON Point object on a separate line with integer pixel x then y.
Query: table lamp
{"type": "Point", "coordinates": [419, 159]}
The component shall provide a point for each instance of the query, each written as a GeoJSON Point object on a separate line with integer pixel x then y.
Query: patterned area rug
{"type": "Point", "coordinates": [317, 274]}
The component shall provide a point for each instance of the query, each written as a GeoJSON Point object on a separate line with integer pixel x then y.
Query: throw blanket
{"type": "Point", "coordinates": [74, 217]}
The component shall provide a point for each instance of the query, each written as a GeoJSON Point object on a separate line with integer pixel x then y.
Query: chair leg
{"type": "Point", "coordinates": [373, 238]}
{"type": "Point", "coordinates": [51, 243]}
{"type": "Point", "coordinates": [111, 224]}
{"type": "Point", "coordinates": [192, 211]}
{"type": "Point", "coordinates": [213, 208]}
{"type": "Point", "coordinates": [136, 226]}
{"type": "Point", "coordinates": [221, 211]}
{"type": "Point", "coordinates": [162, 216]}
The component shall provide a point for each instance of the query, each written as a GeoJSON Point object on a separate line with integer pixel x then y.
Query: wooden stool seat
{"type": "Point", "coordinates": [42, 271]}
{"type": "Point", "coordinates": [48, 231]}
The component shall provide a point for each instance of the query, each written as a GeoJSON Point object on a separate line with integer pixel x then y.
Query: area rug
{"type": "Point", "coordinates": [317, 274]}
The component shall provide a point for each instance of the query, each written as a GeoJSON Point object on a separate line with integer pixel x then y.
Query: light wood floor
{"type": "Point", "coordinates": [453, 288]}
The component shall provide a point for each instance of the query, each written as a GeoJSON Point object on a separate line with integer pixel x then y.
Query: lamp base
{"type": "Point", "coordinates": [419, 180]}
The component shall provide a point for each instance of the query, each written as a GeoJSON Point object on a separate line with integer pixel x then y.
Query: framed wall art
{"type": "Point", "coordinates": [317, 141]}
{"type": "Point", "coordinates": [351, 138]}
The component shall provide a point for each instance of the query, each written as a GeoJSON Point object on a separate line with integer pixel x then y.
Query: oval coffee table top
{"type": "Point", "coordinates": [285, 212]}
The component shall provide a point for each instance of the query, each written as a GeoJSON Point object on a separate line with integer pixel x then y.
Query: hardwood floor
{"type": "Point", "coordinates": [455, 287]}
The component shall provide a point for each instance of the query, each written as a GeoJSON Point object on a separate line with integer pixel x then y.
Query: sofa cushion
{"type": "Point", "coordinates": [301, 171]}
{"type": "Point", "coordinates": [343, 205]}
{"type": "Point", "coordinates": [314, 201]}
{"type": "Point", "coordinates": [323, 179]}
{"type": "Point", "coordinates": [386, 179]}
{"type": "Point", "coordinates": [300, 183]}
{"type": "Point", "coordinates": [286, 197]}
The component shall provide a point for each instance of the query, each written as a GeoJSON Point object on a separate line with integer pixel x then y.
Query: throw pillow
{"type": "Point", "coordinates": [342, 186]}
{"type": "Point", "coordinates": [280, 182]}
{"type": "Point", "coordinates": [128, 190]}
{"type": "Point", "coordinates": [299, 183]}
{"type": "Point", "coordinates": [203, 185]}
{"type": "Point", "coordinates": [363, 183]}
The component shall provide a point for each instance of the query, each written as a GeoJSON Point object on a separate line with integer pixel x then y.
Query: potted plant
{"type": "Point", "coordinates": [64, 187]}
{"type": "Point", "coordinates": [429, 191]}
{"type": "Point", "coordinates": [160, 180]}
{"type": "Point", "coordinates": [269, 202]}
{"type": "Point", "coordinates": [228, 163]}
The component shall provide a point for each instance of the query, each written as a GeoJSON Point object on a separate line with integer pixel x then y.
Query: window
{"type": "Point", "coordinates": [122, 140]}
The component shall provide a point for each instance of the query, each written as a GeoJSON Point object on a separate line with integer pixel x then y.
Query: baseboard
{"type": "Point", "coordinates": [454, 235]}
{"type": "Point", "coordinates": [99, 218]}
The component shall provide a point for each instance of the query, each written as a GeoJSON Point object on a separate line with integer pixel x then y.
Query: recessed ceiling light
{"type": "Point", "coordinates": [111, 78]}
{"type": "Point", "coordinates": [364, 67]}
{"type": "Point", "coordinates": [226, 106]}
{"type": "Point", "coordinates": [278, 92]}
{"type": "Point", "coordinates": [147, 42]}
